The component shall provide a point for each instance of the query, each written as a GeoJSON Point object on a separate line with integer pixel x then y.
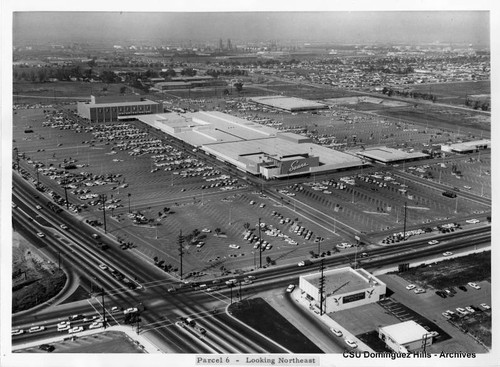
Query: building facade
{"type": "Point", "coordinates": [344, 288]}
{"type": "Point", "coordinates": [405, 337]}
{"type": "Point", "coordinates": [101, 111]}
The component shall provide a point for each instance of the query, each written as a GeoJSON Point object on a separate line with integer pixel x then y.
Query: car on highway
{"type": "Point", "coordinates": [411, 286]}
{"type": "Point", "coordinates": [47, 347]}
{"type": "Point", "coordinates": [485, 306]}
{"type": "Point", "coordinates": [75, 329]}
{"type": "Point", "coordinates": [233, 246]}
{"type": "Point", "coordinates": [91, 318]}
{"type": "Point", "coordinates": [351, 343]}
{"type": "Point", "coordinates": [36, 329]}
{"type": "Point", "coordinates": [115, 309]}
{"type": "Point", "coordinates": [76, 317]}
{"type": "Point", "coordinates": [336, 332]}
{"type": "Point", "coordinates": [64, 226]}
{"type": "Point", "coordinates": [130, 310]}
{"type": "Point", "coordinates": [95, 325]}
{"type": "Point", "coordinates": [472, 221]}
{"type": "Point", "coordinates": [17, 331]}
{"type": "Point", "coordinates": [38, 207]}
{"type": "Point", "coordinates": [40, 234]}
{"type": "Point", "coordinates": [63, 327]}
{"type": "Point", "coordinates": [103, 267]}
{"type": "Point", "coordinates": [433, 242]}
{"type": "Point", "coordinates": [473, 285]}
{"type": "Point", "coordinates": [447, 253]}
{"type": "Point", "coordinates": [290, 288]}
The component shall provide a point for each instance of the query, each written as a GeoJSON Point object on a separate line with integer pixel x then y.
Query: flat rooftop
{"type": "Point", "coordinates": [288, 103]}
{"type": "Point", "coordinates": [340, 281]}
{"type": "Point", "coordinates": [385, 154]}
{"type": "Point", "coordinates": [405, 332]}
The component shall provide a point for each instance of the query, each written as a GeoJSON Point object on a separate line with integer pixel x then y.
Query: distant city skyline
{"type": "Point", "coordinates": [410, 27]}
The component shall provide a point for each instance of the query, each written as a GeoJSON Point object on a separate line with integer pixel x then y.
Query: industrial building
{"type": "Point", "coordinates": [467, 147]}
{"type": "Point", "coordinates": [108, 109]}
{"type": "Point", "coordinates": [344, 288]}
{"type": "Point", "coordinates": [385, 155]}
{"type": "Point", "coordinates": [405, 337]}
{"type": "Point", "coordinates": [251, 147]}
{"type": "Point", "coordinates": [290, 104]}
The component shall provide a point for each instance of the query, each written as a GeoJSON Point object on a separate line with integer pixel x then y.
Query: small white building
{"type": "Point", "coordinates": [344, 288]}
{"type": "Point", "coordinates": [405, 337]}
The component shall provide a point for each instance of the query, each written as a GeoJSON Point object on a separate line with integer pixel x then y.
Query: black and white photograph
{"type": "Point", "coordinates": [256, 184]}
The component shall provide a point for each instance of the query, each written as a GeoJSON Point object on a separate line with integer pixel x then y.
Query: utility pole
{"type": "Point", "coordinates": [103, 308]}
{"type": "Point", "coordinates": [321, 287]}
{"type": "Point", "coordinates": [404, 226]}
{"type": "Point", "coordinates": [180, 241]}
{"type": "Point", "coordinates": [129, 194]}
{"type": "Point", "coordinates": [260, 248]}
{"type": "Point", "coordinates": [319, 244]}
{"type": "Point", "coordinates": [59, 260]}
{"type": "Point", "coordinates": [103, 198]}
{"type": "Point", "coordinates": [66, 193]}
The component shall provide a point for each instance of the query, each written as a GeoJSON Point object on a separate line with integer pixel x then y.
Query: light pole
{"type": "Point", "coordinates": [129, 194]}
{"type": "Point", "coordinates": [103, 198]}
{"type": "Point", "coordinates": [260, 248]}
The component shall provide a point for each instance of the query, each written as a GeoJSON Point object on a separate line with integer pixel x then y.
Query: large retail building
{"type": "Point", "coordinates": [109, 109]}
{"type": "Point", "coordinates": [343, 288]}
{"type": "Point", "coordinates": [252, 147]}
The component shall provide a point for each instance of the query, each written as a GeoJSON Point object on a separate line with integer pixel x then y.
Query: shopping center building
{"type": "Point", "coordinates": [251, 147]}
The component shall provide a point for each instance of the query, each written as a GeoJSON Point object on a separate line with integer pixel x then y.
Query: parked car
{"type": "Point", "coordinates": [290, 288]}
{"type": "Point", "coordinates": [130, 310]}
{"type": "Point", "coordinates": [433, 242]}
{"type": "Point", "coordinates": [447, 253]}
{"type": "Point", "coordinates": [474, 285]}
{"type": "Point", "coordinates": [419, 290]}
{"type": "Point", "coordinates": [234, 246]}
{"type": "Point", "coordinates": [469, 309]}
{"type": "Point", "coordinates": [485, 306]}
{"type": "Point", "coordinates": [47, 347]}
{"type": "Point", "coordinates": [411, 286]}
{"type": "Point", "coordinates": [462, 288]}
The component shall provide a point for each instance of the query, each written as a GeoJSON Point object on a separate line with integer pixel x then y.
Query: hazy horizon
{"type": "Point", "coordinates": [410, 27]}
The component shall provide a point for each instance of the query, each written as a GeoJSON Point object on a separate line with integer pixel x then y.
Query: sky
{"type": "Point", "coordinates": [346, 27]}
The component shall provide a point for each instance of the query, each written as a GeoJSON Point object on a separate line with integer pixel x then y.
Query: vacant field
{"type": "Point", "coordinates": [258, 314]}
{"type": "Point", "coordinates": [106, 342]}
{"type": "Point", "coordinates": [454, 93]}
{"type": "Point", "coordinates": [61, 91]}
{"type": "Point", "coordinates": [454, 272]}
{"type": "Point", "coordinates": [34, 279]}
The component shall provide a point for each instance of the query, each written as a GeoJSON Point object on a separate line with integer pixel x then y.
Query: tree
{"type": "Point", "coordinates": [123, 89]}
{"type": "Point", "coordinates": [246, 225]}
{"type": "Point", "coordinates": [268, 260]}
{"type": "Point", "coordinates": [238, 86]}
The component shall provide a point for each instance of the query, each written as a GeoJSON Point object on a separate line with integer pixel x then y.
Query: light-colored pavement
{"type": "Point", "coordinates": [139, 339]}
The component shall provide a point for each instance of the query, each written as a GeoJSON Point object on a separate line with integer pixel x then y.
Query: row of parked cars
{"type": "Point", "coordinates": [464, 311]}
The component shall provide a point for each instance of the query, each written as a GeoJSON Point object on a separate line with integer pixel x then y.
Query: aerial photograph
{"type": "Point", "coordinates": [249, 187]}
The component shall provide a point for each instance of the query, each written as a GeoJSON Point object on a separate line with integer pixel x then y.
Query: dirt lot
{"type": "Point", "coordinates": [450, 273]}
{"type": "Point", "coordinates": [34, 279]}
